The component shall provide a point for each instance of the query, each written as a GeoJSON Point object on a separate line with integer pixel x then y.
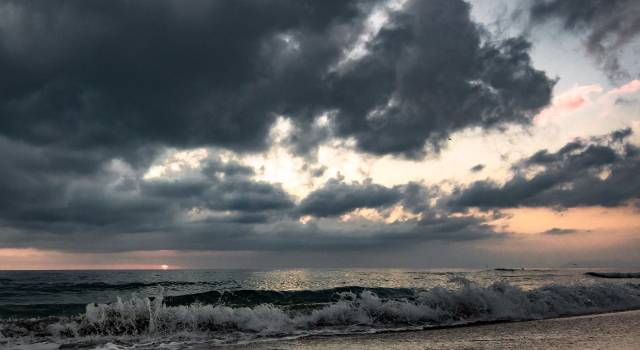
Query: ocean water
{"type": "Point", "coordinates": [180, 309]}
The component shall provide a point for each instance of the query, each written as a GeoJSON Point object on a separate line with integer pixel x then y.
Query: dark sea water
{"type": "Point", "coordinates": [179, 308]}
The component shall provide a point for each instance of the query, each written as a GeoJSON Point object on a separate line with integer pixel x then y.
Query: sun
{"type": "Point", "coordinates": [164, 267]}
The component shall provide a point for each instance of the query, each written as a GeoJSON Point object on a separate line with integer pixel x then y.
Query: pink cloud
{"type": "Point", "coordinates": [567, 102]}
{"type": "Point", "coordinates": [628, 88]}
{"type": "Point", "coordinates": [570, 102]}
{"type": "Point", "coordinates": [581, 96]}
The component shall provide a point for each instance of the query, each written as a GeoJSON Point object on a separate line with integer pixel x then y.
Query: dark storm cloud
{"type": "Point", "coordinates": [236, 233]}
{"type": "Point", "coordinates": [216, 206]}
{"type": "Point", "coordinates": [120, 73]}
{"type": "Point", "coordinates": [359, 236]}
{"type": "Point", "coordinates": [416, 197]}
{"type": "Point", "coordinates": [609, 25]}
{"type": "Point", "coordinates": [425, 79]}
{"type": "Point", "coordinates": [444, 225]}
{"type": "Point", "coordinates": [93, 93]}
{"type": "Point", "coordinates": [236, 195]}
{"type": "Point", "coordinates": [116, 74]}
{"type": "Point", "coordinates": [37, 195]}
{"type": "Point", "coordinates": [336, 198]}
{"type": "Point", "coordinates": [601, 171]}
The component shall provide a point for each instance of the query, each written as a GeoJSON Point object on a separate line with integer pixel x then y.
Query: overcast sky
{"type": "Point", "coordinates": [243, 134]}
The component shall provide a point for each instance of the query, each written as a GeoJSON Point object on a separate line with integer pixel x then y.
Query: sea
{"type": "Point", "coordinates": [206, 309]}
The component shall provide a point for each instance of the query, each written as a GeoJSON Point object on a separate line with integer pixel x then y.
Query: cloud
{"type": "Point", "coordinates": [336, 198]}
{"type": "Point", "coordinates": [620, 101]}
{"type": "Point", "coordinates": [628, 88]}
{"type": "Point", "coordinates": [120, 75]}
{"type": "Point", "coordinates": [609, 26]}
{"type": "Point", "coordinates": [95, 95]}
{"type": "Point", "coordinates": [38, 194]}
{"type": "Point", "coordinates": [600, 171]}
{"type": "Point", "coordinates": [582, 101]}
{"type": "Point", "coordinates": [417, 197]}
{"type": "Point", "coordinates": [123, 74]}
{"type": "Point", "coordinates": [621, 135]}
{"type": "Point", "coordinates": [424, 80]}
{"type": "Point", "coordinates": [477, 168]}
{"type": "Point", "coordinates": [213, 204]}
{"type": "Point", "coordinates": [560, 231]}
{"type": "Point", "coordinates": [569, 101]}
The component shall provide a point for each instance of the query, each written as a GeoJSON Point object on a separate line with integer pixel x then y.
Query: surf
{"type": "Point", "coordinates": [274, 314]}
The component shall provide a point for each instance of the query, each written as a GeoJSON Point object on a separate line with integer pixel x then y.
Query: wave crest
{"type": "Point", "coordinates": [353, 312]}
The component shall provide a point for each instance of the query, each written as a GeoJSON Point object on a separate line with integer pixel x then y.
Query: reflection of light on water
{"type": "Point", "coordinates": [164, 267]}
{"type": "Point", "coordinates": [285, 279]}
{"type": "Point", "coordinates": [317, 279]}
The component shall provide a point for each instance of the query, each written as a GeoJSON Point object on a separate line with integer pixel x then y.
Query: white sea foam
{"type": "Point", "coordinates": [362, 312]}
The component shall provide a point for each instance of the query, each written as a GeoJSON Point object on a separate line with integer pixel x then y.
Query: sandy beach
{"type": "Point", "coordinates": [620, 330]}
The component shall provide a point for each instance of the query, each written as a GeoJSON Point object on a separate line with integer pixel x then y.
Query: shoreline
{"type": "Point", "coordinates": [609, 330]}
{"type": "Point", "coordinates": [612, 330]}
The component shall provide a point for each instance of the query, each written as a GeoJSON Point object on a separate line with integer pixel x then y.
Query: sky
{"type": "Point", "coordinates": [350, 133]}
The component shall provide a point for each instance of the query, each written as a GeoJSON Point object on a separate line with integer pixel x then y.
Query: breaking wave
{"type": "Point", "coordinates": [343, 310]}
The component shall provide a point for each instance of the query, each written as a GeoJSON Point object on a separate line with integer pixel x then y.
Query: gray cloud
{"type": "Point", "coordinates": [119, 75]}
{"type": "Point", "coordinates": [92, 93]}
{"type": "Point", "coordinates": [600, 171]}
{"type": "Point", "coordinates": [249, 235]}
{"type": "Point", "coordinates": [609, 26]}
{"type": "Point", "coordinates": [625, 101]}
{"type": "Point", "coordinates": [116, 210]}
{"type": "Point", "coordinates": [477, 168]}
{"type": "Point", "coordinates": [620, 135]}
{"type": "Point", "coordinates": [425, 79]}
{"type": "Point", "coordinates": [39, 195]}
{"type": "Point", "coordinates": [123, 74]}
{"type": "Point", "coordinates": [417, 196]}
{"type": "Point", "coordinates": [336, 198]}
{"type": "Point", "coordinates": [560, 231]}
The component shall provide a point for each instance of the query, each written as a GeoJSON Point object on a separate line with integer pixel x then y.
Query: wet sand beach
{"type": "Point", "coordinates": [620, 330]}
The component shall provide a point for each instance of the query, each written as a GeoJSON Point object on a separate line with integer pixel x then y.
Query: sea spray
{"type": "Point", "coordinates": [360, 311]}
